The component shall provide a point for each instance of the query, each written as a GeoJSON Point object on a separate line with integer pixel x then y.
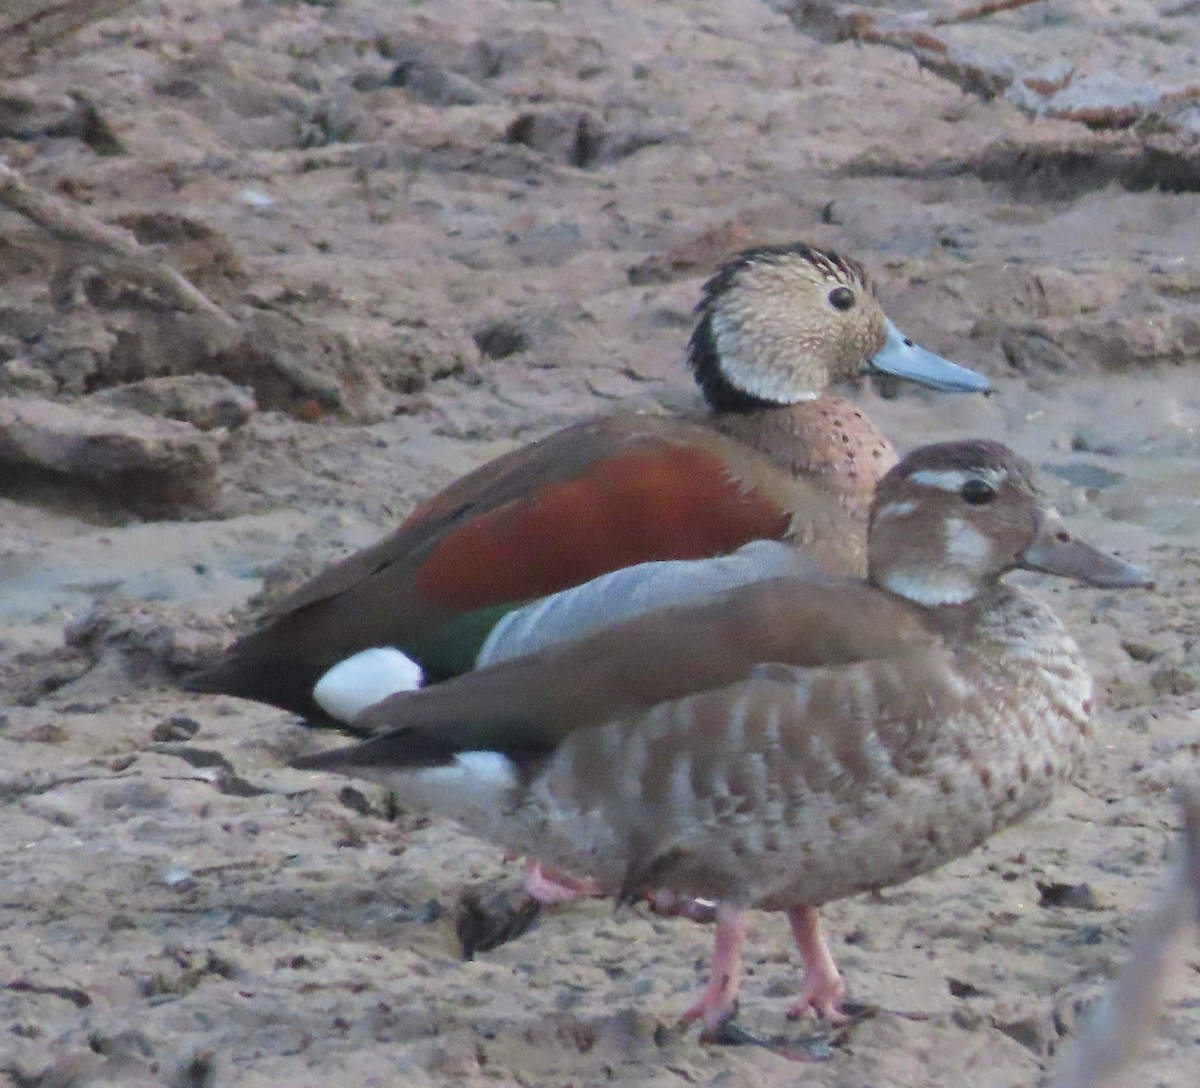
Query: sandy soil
{"type": "Point", "coordinates": [391, 198]}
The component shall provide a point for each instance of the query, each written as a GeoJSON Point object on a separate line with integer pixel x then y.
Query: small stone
{"type": "Point", "coordinates": [21, 375]}
{"type": "Point", "coordinates": [491, 914]}
{"type": "Point", "coordinates": [501, 339]}
{"type": "Point", "coordinates": [960, 988]}
{"type": "Point", "coordinates": [1081, 474]}
{"type": "Point", "coordinates": [177, 728]}
{"type": "Point", "coordinates": [1140, 651]}
{"type": "Point", "coordinates": [355, 800]}
{"type": "Point", "coordinates": [436, 86]}
{"type": "Point", "coordinates": [1172, 680]}
{"type": "Point", "coordinates": [146, 641]}
{"type": "Point", "coordinates": [699, 254]}
{"type": "Point", "coordinates": [1072, 896]}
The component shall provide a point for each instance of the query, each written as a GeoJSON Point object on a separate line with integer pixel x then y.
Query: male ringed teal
{"type": "Point", "coordinates": [786, 742]}
{"type": "Point", "coordinates": [774, 456]}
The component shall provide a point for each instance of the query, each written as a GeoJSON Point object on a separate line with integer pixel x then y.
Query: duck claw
{"type": "Point", "coordinates": [809, 1048]}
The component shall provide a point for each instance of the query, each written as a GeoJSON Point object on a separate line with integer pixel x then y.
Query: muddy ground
{"type": "Point", "coordinates": [443, 229]}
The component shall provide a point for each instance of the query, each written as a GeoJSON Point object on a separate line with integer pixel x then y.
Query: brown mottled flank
{"type": "Point", "coordinates": [873, 743]}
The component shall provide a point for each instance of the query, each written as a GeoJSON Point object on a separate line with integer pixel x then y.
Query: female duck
{"type": "Point", "coordinates": [786, 742]}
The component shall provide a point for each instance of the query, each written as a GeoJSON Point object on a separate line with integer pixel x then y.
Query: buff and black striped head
{"type": "Point", "coordinates": [779, 324]}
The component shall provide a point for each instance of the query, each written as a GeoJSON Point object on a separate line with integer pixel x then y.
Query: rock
{"type": "Point", "coordinates": [206, 401]}
{"type": "Point", "coordinates": [493, 913]}
{"type": "Point", "coordinates": [1082, 474]}
{"type": "Point", "coordinates": [436, 86]}
{"type": "Point", "coordinates": [582, 139]}
{"type": "Point", "coordinates": [144, 641]}
{"type": "Point", "coordinates": [290, 363]}
{"type": "Point", "coordinates": [201, 253]}
{"type": "Point", "coordinates": [74, 350]}
{"type": "Point", "coordinates": [1172, 680]}
{"type": "Point", "coordinates": [28, 116]}
{"type": "Point", "coordinates": [1075, 896]}
{"type": "Point", "coordinates": [1032, 353]}
{"type": "Point", "coordinates": [703, 254]}
{"type": "Point", "coordinates": [500, 339]}
{"type": "Point", "coordinates": [1043, 1030]}
{"type": "Point", "coordinates": [20, 375]}
{"type": "Point", "coordinates": [159, 467]}
{"type": "Point", "coordinates": [571, 135]}
{"type": "Point", "coordinates": [58, 116]}
{"type": "Point", "coordinates": [154, 343]}
{"type": "Point", "coordinates": [1140, 651]}
{"type": "Point", "coordinates": [178, 727]}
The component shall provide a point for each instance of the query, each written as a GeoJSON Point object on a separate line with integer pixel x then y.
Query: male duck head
{"type": "Point", "coordinates": [953, 517]}
{"type": "Point", "coordinates": [778, 324]}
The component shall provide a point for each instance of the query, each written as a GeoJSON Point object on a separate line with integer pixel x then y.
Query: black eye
{"type": "Point", "coordinates": [977, 492]}
{"type": "Point", "coordinates": [841, 298]}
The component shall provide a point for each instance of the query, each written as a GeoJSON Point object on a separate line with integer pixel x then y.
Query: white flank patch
{"type": "Point", "coordinates": [476, 788]}
{"type": "Point", "coordinates": [967, 545]}
{"type": "Point", "coordinates": [485, 768]}
{"type": "Point", "coordinates": [351, 686]}
{"type": "Point", "coordinates": [953, 479]}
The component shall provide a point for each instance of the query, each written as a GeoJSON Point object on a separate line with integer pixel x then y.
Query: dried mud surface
{"type": "Point", "coordinates": [445, 229]}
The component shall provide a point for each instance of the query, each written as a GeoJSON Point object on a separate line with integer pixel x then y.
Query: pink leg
{"type": "Point", "coordinates": [823, 988]}
{"type": "Point", "coordinates": [550, 887]}
{"type": "Point", "coordinates": [718, 1004]}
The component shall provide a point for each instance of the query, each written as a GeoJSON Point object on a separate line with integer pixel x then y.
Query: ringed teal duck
{"type": "Point", "coordinates": [787, 742]}
{"type": "Point", "coordinates": [774, 456]}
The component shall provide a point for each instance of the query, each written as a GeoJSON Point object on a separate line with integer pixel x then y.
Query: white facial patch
{"type": "Point", "coordinates": [931, 586]}
{"type": "Point", "coordinates": [952, 479]}
{"type": "Point", "coordinates": [775, 384]}
{"type": "Point", "coordinates": [896, 509]}
{"type": "Point", "coordinates": [966, 545]}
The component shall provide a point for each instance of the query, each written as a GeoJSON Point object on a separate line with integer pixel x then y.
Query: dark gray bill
{"type": "Point", "coordinates": [1054, 551]}
{"type": "Point", "coordinates": [906, 359]}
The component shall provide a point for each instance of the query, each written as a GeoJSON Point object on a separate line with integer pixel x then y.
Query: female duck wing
{"type": "Point", "coordinates": [531, 704]}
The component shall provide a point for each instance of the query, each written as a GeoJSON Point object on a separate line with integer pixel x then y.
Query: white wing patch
{"type": "Point", "coordinates": [363, 679]}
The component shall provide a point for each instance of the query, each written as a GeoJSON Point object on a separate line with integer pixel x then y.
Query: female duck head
{"type": "Point", "coordinates": [954, 517]}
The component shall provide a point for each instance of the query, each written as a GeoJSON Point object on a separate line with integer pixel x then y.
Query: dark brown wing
{"type": "Point", "coordinates": [529, 705]}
